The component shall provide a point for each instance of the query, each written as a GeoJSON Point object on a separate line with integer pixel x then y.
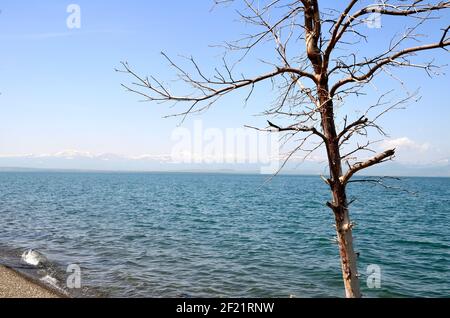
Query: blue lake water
{"type": "Point", "coordinates": [224, 235]}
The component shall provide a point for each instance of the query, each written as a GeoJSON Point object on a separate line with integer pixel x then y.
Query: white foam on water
{"type": "Point", "coordinates": [54, 283]}
{"type": "Point", "coordinates": [50, 280]}
{"type": "Point", "coordinates": [33, 257]}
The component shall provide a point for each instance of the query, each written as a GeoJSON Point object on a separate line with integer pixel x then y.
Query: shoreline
{"type": "Point", "coordinates": [13, 284]}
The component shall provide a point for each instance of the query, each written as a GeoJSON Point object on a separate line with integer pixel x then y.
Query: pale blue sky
{"type": "Point", "coordinates": [60, 91]}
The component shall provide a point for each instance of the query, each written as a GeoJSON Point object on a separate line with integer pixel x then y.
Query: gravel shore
{"type": "Point", "coordinates": [14, 285]}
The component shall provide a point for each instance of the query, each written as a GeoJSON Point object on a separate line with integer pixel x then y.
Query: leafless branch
{"type": "Point", "coordinates": [388, 154]}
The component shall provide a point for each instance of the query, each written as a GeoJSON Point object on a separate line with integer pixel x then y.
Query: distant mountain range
{"type": "Point", "coordinates": [82, 161]}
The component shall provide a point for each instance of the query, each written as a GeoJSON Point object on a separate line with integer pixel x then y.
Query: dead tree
{"type": "Point", "coordinates": [315, 67]}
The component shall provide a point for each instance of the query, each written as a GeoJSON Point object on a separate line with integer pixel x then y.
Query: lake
{"type": "Point", "coordinates": [223, 235]}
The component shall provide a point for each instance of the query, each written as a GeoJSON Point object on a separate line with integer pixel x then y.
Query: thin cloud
{"type": "Point", "coordinates": [76, 154]}
{"type": "Point", "coordinates": [404, 143]}
{"type": "Point", "coordinates": [413, 152]}
{"type": "Point", "coordinates": [55, 35]}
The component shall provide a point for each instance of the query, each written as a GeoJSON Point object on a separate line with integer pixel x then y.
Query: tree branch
{"type": "Point", "coordinates": [388, 60]}
{"type": "Point", "coordinates": [384, 9]}
{"type": "Point", "coordinates": [388, 154]}
{"type": "Point", "coordinates": [334, 37]}
{"type": "Point", "coordinates": [297, 128]}
{"type": "Point", "coordinates": [361, 121]}
{"type": "Point", "coordinates": [162, 94]}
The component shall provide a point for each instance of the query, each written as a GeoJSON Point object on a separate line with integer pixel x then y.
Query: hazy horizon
{"type": "Point", "coordinates": [146, 165]}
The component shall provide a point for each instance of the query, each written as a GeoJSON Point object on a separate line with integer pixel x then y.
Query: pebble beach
{"type": "Point", "coordinates": [14, 285]}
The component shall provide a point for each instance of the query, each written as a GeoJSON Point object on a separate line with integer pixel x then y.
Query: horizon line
{"type": "Point", "coordinates": [197, 171]}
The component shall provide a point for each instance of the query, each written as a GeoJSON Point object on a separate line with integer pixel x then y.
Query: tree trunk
{"type": "Point", "coordinates": [345, 241]}
{"type": "Point", "coordinates": [339, 204]}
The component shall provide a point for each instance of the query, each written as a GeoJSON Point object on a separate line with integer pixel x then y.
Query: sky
{"type": "Point", "coordinates": [61, 97]}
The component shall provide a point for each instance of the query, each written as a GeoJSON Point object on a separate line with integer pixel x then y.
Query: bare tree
{"type": "Point", "coordinates": [316, 67]}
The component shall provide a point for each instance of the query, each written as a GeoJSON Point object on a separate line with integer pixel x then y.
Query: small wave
{"type": "Point", "coordinates": [54, 284]}
{"type": "Point", "coordinates": [50, 280]}
{"type": "Point", "coordinates": [34, 258]}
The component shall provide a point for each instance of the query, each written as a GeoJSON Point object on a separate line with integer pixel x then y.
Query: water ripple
{"type": "Point", "coordinates": [212, 235]}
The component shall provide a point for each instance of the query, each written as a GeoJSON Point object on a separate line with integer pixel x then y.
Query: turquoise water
{"type": "Point", "coordinates": [220, 235]}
